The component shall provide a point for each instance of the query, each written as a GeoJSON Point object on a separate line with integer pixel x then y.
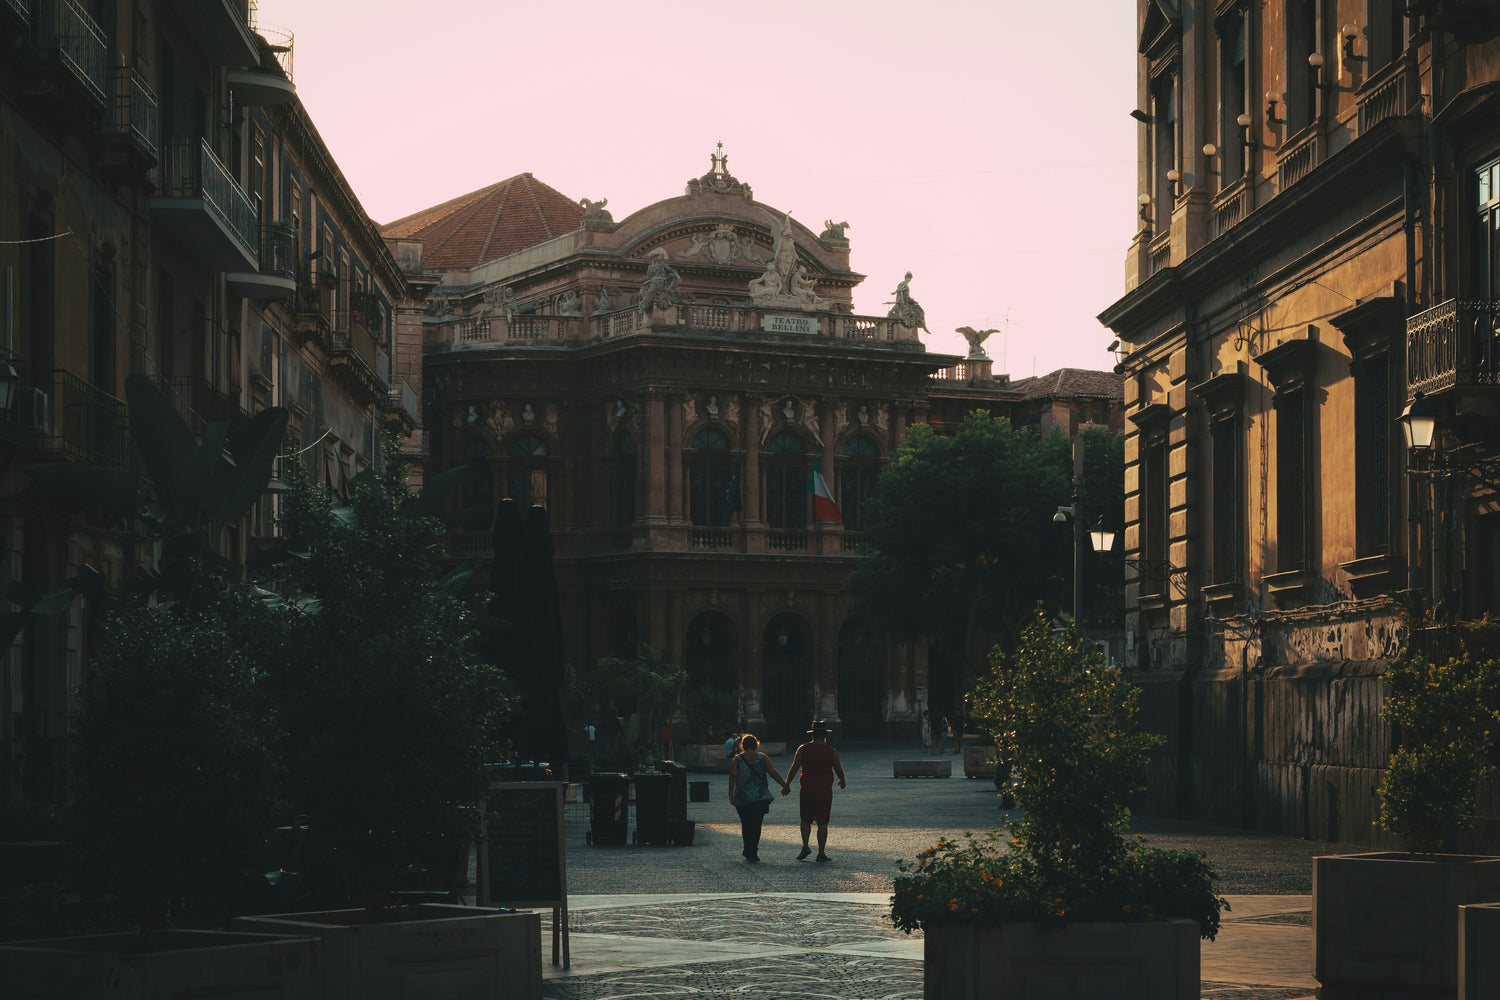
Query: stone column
{"type": "Point", "coordinates": [675, 501]}
{"type": "Point", "coordinates": [826, 425]}
{"type": "Point", "coordinates": [898, 425]}
{"type": "Point", "coordinates": [751, 668]}
{"type": "Point", "coordinates": [750, 435]}
{"type": "Point", "coordinates": [656, 478]}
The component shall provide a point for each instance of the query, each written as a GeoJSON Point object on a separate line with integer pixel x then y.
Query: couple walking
{"type": "Point", "coordinates": [750, 792]}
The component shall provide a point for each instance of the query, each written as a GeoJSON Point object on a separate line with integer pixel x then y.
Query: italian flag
{"type": "Point", "coordinates": [824, 509]}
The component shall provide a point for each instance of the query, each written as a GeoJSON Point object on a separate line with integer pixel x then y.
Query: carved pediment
{"type": "Point", "coordinates": [1161, 26]}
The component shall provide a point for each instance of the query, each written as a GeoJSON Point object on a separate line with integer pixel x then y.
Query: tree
{"type": "Point", "coordinates": [391, 715]}
{"type": "Point", "coordinates": [960, 540]}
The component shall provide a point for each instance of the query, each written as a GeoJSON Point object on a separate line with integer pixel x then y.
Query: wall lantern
{"type": "Point", "coordinates": [1101, 537]}
{"type": "Point", "coordinates": [1419, 421]}
{"type": "Point", "coordinates": [1315, 62]}
{"type": "Point", "coordinates": [1273, 98]}
{"type": "Point", "coordinates": [1350, 32]}
{"type": "Point", "coordinates": [1244, 121]}
{"type": "Point", "coordinates": [1145, 203]}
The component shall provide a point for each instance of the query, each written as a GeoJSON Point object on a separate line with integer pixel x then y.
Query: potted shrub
{"type": "Point", "coordinates": [1060, 893]}
{"type": "Point", "coordinates": [1388, 922]}
{"type": "Point", "coordinates": [174, 781]}
{"type": "Point", "coordinates": [390, 716]}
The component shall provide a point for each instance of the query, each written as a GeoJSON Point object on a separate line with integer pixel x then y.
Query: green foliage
{"type": "Point", "coordinates": [990, 881]}
{"type": "Point", "coordinates": [710, 712]}
{"type": "Point", "coordinates": [1068, 727]}
{"type": "Point", "coordinates": [391, 716]}
{"type": "Point", "coordinates": [1445, 717]}
{"type": "Point", "coordinates": [960, 539]}
{"type": "Point", "coordinates": [647, 688]}
{"type": "Point", "coordinates": [176, 784]}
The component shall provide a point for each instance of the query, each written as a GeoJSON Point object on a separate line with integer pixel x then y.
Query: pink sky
{"type": "Point", "coordinates": [983, 145]}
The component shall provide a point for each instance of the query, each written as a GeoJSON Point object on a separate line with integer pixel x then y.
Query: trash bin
{"type": "Point", "coordinates": [652, 824]}
{"type": "Point", "coordinates": [610, 810]}
{"type": "Point", "coordinates": [676, 791]}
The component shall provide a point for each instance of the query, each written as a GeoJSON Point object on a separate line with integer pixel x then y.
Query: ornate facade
{"type": "Point", "coordinates": [1318, 188]}
{"type": "Point", "coordinates": [666, 384]}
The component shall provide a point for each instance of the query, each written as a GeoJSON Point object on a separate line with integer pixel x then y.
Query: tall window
{"type": "Point", "coordinates": [1485, 244]}
{"type": "Point", "coordinates": [1164, 149]}
{"type": "Point", "coordinates": [526, 471]}
{"type": "Point", "coordinates": [625, 481]}
{"type": "Point", "coordinates": [1373, 423]}
{"type": "Point", "coordinates": [786, 482]}
{"type": "Point", "coordinates": [713, 487]}
{"type": "Point", "coordinates": [857, 479]}
{"type": "Point", "coordinates": [1291, 481]}
{"type": "Point", "coordinates": [477, 496]}
{"type": "Point", "coordinates": [1387, 34]}
{"type": "Point", "coordinates": [1301, 42]}
{"type": "Point", "coordinates": [1233, 86]}
{"type": "Point", "coordinates": [257, 184]}
{"type": "Point", "coordinates": [1155, 497]}
{"type": "Point", "coordinates": [1228, 493]}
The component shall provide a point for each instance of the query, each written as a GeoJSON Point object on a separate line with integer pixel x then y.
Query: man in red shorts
{"type": "Point", "coordinates": [818, 763]}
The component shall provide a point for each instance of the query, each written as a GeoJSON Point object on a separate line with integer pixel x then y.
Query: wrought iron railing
{"type": "Point", "coordinates": [21, 8]}
{"type": "Point", "coordinates": [191, 170]}
{"type": "Point", "coordinates": [82, 48]}
{"type": "Point", "coordinates": [200, 402]}
{"type": "Point", "coordinates": [278, 249]}
{"type": "Point", "coordinates": [132, 110]}
{"type": "Point", "coordinates": [1454, 343]}
{"type": "Point", "coordinates": [66, 415]}
{"type": "Point", "coordinates": [276, 53]}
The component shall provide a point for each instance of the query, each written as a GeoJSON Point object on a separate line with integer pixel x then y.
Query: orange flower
{"type": "Point", "coordinates": [1061, 911]}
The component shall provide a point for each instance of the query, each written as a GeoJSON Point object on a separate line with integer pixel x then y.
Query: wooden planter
{"type": "Point", "coordinates": [1150, 961]}
{"type": "Point", "coordinates": [445, 951]}
{"type": "Point", "coordinates": [1478, 951]}
{"type": "Point", "coordinates": [176, 965]}
{"type": "Point", "coordinates": [1386, 924]}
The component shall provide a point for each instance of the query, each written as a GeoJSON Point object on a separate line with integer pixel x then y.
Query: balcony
{"type": "Point", "coordinates": [402, 410]}
{"type": "Point", "coordinates": [277, 276]}
{"type": "Point", "coordinates": [1230, 207]}
{"type": "Point", "coordinates": [1301, 153]}
{"type": "Point", "coordinates": [200, 402]}
{"type": "Point", "coordinates": [354, 359]}
{"type": "Point", "coordinates": [68, 418]}
{"type": "Point", "coordinates": [129, 128]}
{"type": "Point", "coordinates": [1454, 348]}
{"type": "Point", "coordinates": [313, 304]}
{"type": "Point", "coordinates": [69, 54]}
{"type": "Point", "coordinates": [223, 28]}
{"type": "Point", "coordinates": [18, 9]}
{"type": "Point", "coordinates": [199, 201]}
{"type": "Point", "coordinates": [1383, 97]}
{"type": "Point", "coordinates": [269, 82]}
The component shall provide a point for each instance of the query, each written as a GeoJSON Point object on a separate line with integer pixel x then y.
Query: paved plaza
{"type": "Point", "coordinates": [698, 921]}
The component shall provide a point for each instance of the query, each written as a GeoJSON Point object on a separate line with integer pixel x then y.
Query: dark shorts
{"type": "Point", "coordinates": [815, 806]}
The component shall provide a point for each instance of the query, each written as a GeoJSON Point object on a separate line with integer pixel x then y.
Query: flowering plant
{"type": "Point", "coordinates": [1068, 726]}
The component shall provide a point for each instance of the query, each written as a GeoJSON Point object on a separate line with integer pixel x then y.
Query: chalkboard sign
{"type": "Point", "coordinates": [521, 859]}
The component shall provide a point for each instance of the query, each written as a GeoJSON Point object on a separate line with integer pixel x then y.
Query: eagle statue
{"type": "Point", "coordinates": [976, 339]}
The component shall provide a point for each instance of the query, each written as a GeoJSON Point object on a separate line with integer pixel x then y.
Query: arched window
{"type": "Point", "coordinates": [713, 485]}
{"type": "Point", "coordinates": [625, 481]}
{"type": "Point", "coordinates": [857, 472]}
{"type": "Point", "coordinates": [786, 482]}
{"type": "Point", "coordinates": [477, 496]}
{"type": "Point", "coordinates": [526, 471]}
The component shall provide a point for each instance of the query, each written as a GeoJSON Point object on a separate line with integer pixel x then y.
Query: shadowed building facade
{"type": "Point", "coordinates": [666, 385]}
{"type": "Point", "coordinates": [1319, 182]}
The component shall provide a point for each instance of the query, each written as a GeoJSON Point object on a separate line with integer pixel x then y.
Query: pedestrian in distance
{"type": "Point", "coordinates": [818, 762]}
{"type": "Point", "coordinates": [750, 792]}
{"type": "Point", "coordinates": [926, 732]}
{"type": "Point", "coordinates": [938, 729]}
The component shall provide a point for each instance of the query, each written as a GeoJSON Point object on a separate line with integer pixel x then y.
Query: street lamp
{"type": "Point", "coordinates": [1101, 538]}
{"type": "Point", "coordinates": [1419, 422]}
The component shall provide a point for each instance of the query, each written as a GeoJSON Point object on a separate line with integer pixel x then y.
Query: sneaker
{"type": "Point", "coordinates": [822, 857]}
{"type": "Point", "coordinates": [802, 854]}
{"type": "Point", "coordinates": [753, 861]}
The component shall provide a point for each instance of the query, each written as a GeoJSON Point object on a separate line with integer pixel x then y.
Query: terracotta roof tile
{"type": "Point", "coordinates": [494, 221]}
{"type": "Point", "coordinates": [1072, 382]}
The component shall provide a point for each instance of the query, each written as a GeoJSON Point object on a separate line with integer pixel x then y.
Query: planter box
{"type": "Point", "coordinates": [1386, 924]}
{"type": "Point", "coordinates": [1145, 961]}
{"type": "Point", "coordinates": [185, 965]}
{"type": "Point", "coordinates": [979, 762]}
{"type": "Point", "coordinates": [446, 951]}
{"type": "Point", "coordinates": [921, 769]}
{"type": "Point", "coordinates": [1478, 951]}
{"type": "Point", "coordinates": [703, 757]}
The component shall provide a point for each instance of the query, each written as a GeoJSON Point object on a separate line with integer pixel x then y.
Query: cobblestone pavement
{"type": "Point", "coordinates": [697, 921]}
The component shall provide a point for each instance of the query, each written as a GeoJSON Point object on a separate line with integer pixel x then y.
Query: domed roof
{"type": "Point", "coordinates": [494, 221]}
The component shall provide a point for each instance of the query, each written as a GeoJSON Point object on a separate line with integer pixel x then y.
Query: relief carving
{"type": "Point", "coordinates": [722, 246]}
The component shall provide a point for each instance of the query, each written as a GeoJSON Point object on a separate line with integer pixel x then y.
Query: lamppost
{"type": "Point", "coordinates": [1076, 513]}
{"type": "Point", "coordinates": [1419, 422]}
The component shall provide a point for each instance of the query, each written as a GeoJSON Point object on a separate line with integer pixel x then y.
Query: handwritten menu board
{"type": "Point", "coordinates": [526, 864]}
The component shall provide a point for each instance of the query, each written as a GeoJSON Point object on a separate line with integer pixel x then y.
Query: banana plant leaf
{"type": "Point", "coordinates": [429, 502]}
{"type": "Point", "coordinates": [254, 446]}
{"type": "Point", "coordinates": [167, 447]}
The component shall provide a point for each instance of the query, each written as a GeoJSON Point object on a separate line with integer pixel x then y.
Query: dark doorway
{"type": "Point", "coordinates": [859, 693]}
{"type": "Point", "coordinates": [787, 701]}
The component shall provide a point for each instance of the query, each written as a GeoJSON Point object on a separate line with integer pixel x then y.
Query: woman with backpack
{"type": "Point", "coordinates": [750, 793]}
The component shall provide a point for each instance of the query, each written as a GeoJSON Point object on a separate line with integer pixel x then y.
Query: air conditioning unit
{"type": "Point", "coordinates": [31, 410]}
